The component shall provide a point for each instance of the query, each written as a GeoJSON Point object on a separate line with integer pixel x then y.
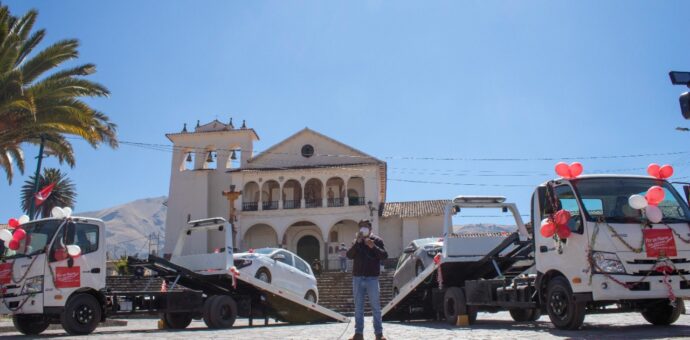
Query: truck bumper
{"type": "Point", "coordinates": [23, 304]}
{"type": "Point", "coordinates": [652, 287]}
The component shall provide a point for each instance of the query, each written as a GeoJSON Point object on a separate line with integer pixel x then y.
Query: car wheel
{"type": "Point", "coordinates": [264, 275]}
{"type": "Point", "coordinates": [419, 268]}
{"type": "Point", "coordinates": [310, 296]}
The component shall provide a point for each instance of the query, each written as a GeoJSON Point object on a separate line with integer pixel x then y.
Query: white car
{"type": "Point", "coordinates": [281, 268]}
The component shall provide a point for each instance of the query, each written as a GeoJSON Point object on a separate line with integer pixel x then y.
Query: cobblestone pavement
{"type": "Point", "coordinates": [488, 326]}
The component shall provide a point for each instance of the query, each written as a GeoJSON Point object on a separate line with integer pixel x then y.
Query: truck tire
{"type": "Point", "coordinates": [563, 310]}
{"type": "Point", "coordinates": [454, 305]}
{"type": "Point", "coordinates": [82, 315]}
{"type": "Point", "coordinates": [662, 314]}
{"type": "Point", "coordinates": [30, 324]}
{"type": "Point", "coordinates": [220, 311]}
{"type": "Point", "coordinates": [525, 315]}
{"type": "Point", "coordinates": [177, 320]}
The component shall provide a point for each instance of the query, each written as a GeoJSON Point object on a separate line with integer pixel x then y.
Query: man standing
{"type": "Point", "coordinates": [342, 256]}
{"type": "Point", "coordinates": [367, 251]}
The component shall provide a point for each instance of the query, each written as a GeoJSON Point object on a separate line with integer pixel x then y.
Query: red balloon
{"type": "Point", "coordinates": [576, 169]}
{"type": "Point", "coordinates": [14, 244]}
{"type": "Point", "coordinates": [666, 171]}
{"type": "Point", "coordinates": [60, 254]}
{"type": "Point", "coordinates": [655, 195]}
{"type": "Point", "coordinates": [653, 170]}
{"type": "Point", "coordinates": [563, 170]}
{"type": "Point", "coordinates": [13, 223]}
{"type": "Point", "coordinates": [561, 217]}
{"type": "Point", "coordinates": [547, 229]}
{"type": "Point", "coordinates": [563, 232]}
{"type": "Point", "coordinates": [19, 234]}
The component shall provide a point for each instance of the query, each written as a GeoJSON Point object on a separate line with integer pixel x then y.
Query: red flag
{"type": "Point", "coordinates": [43, 194]}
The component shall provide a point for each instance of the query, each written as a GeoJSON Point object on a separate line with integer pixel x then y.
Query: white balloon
{"type": "Point", "coordinates": [24, 219]}
{"type": "Point", "coordinates": [544, 221]}
{"type": "Point", "coordinates": [68, 211]}
{"type": "Point", "coordinates": [637, 202]}
{"type": "Point", "coordinates": [653, 213]}
{"type": "Point", "coordinates": [57, 212]}
{"type": "Point", "coordinates": [5, 235]}
{"type": "Point", "coordinates": [73, 250]}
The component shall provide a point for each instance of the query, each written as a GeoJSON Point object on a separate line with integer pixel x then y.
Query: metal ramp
{"type": "Point", "coordinates": [255, 298]}
{"type": "Point", "coordinates": [402, 307]}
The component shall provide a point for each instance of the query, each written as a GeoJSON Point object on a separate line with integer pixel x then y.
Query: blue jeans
{"type": "Point", "coordinates": [368, 285]}
{"type": "Point", "coordinates": [343, 264]}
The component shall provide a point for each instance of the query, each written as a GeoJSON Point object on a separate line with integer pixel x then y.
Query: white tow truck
{"type": "Point", "coordinates": [614, 260]}
{"type": "Point", "coordinates": [42, 284]}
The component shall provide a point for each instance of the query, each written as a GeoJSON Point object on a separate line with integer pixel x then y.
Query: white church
{"type": "Point", "coordinates": [305, 193]}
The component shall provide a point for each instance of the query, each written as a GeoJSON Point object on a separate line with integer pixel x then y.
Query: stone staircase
{"type": "Point", "coordinates": [335, 291]}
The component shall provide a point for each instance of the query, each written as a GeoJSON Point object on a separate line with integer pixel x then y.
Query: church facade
{"type": "Point", "coordinates": [305, 193]}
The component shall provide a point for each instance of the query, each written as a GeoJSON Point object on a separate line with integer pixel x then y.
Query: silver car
{"type": "Point", "coordinates": [415, 258]}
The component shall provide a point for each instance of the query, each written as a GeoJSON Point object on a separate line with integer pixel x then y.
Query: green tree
{"type": "Point", "coordinates": [64, 193]}
{"type": "Point", "coordinates": [39, 97]}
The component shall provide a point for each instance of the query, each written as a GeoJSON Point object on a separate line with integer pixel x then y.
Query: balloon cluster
{"type": "Point", "coordinates": [654, 195]}
{"type": "Point", "coordinates": [569, 171]}
{"type": "Point", "coordinates": [11, 239]}
{"type": "Point", "coordinates": [558, 225]}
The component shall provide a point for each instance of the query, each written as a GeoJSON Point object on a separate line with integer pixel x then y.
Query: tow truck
{"type": "Point", "coordinates": [610, 263]}
{"type": "Point", "coordinates": [42, 284]}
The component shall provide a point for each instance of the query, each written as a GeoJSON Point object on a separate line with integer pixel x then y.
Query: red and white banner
{"type": "Point", "coordinates": [66, 277]}
{"type": "Point", "coordinates": [43, 194]}
{"type": "Point", "coordinates": [659, 242]}
{"type": "Point", "coordinates": [5, 273]}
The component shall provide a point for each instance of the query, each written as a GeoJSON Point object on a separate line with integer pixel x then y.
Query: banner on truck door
{"type": "Point", "coordinates": [66, 277]}
{"type": "Point", "coordinates": [5, 273]}
{"type": "Point", "coordinates": [659, 242]}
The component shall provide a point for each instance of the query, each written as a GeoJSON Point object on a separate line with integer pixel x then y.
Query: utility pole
{"type": "Point", "coordinates": [32, 204]}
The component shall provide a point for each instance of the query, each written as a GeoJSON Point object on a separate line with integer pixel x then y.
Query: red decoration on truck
{"type": "Point", "coordinates": [659, 243]}
{"type": "Point", "coordinates": [66, 277]}
{"type": "Point", "coordinates": [5, 273]}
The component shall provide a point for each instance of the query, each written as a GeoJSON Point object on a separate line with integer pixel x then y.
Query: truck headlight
{"type": "Point", "coordinates": [33, 285]}
{"type": "Point", "coordinates": [608, 263]}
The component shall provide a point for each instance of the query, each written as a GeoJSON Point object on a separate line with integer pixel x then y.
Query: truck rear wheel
{"type": "Point", "coordinates": [30, 324]}
{"type": "Point", "coordinates": [177, 320]}
{"type": "Point", "coordinates": [564, 311]}
{"type": "Point", "coordinates": [454, 305]}
{"type": "Point", "coordinates": [220, 311]}
{"type": "Point", "coordinates": [662, 313]}
{"type": "Point", "coordinates": [82, 315]}
{"type": "Point", "coordinates": [525, 315]}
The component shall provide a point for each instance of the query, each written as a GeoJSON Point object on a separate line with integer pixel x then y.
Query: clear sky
{"type": "Point", "coordinates": [442, 79]}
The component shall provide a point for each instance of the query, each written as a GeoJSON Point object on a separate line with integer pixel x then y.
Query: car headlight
{"type": "Point", "coordinates": [33, 285]}
{"type": "Point", "coordinates": [608, 263]}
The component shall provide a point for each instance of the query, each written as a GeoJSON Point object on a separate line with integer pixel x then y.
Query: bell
{"type": "Point", "coordinates": [233, 156]}
{"type": "Point", "coordinates": [209, 159]}
{"type": "Point", "coordinates": [189, 157]}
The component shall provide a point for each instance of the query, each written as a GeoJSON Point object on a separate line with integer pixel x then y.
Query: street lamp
{"type": "Point", "coordinates": [682, 78]}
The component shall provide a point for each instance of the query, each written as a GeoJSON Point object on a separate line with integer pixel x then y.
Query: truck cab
{"type": "Point", "coordinates": [610, 259]}
{"type": "Point", "coordinates": [43, 283]}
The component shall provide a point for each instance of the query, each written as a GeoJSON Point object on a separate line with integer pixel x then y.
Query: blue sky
{"type": "Point", "coordinates": [443, 79]}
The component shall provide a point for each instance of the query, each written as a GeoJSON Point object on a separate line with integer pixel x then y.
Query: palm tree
{"type": "Point", "coordinates": [39, 103]}
{"type": "Point", "coordinates": [64, 193]}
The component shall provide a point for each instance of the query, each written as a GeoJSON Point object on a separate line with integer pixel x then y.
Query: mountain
{"type": "Point", "coordinates": [482, 228]}
{"type": "Point", "coordinates": [129, 225]}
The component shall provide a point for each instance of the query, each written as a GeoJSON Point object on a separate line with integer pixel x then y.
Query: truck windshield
{"type": "Point", "coordinates": [608, 198]}
{"type": "Point", "coordinates": [38, 234]}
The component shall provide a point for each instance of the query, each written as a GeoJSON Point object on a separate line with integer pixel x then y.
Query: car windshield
{"type": "Point", "coordinates": [608, 198]}
{"type": "Point", "coordinates": [264, 251]}
{"type": "Point", "coordinates": [38, 234]}
{"type": "Point", "coordinates": [425, 241]}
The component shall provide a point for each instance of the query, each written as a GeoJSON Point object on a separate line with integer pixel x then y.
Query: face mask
{"type": "Point", "coordinates": [364, 231]}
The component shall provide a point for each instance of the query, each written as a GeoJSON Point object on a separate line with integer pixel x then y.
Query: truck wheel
{"type": "Point", "coordinates": [525, 315]}
{"type": "Point", "coordinates": [662, 314]}
{"type": "Point", "coordinates": [563, 311]}
{"type": "Point", "coordinates": [82, 315]}
{"type": "Point", "coordinates": [30, 324]}
{"type": "Point", "coordinates": [177, 320]}
{"type": "Point", "coordinates": [264, 275]}
{"type": "Point", "coordinates": [454, 305]}
{"type": "Point", "coordinates": [220, 311]}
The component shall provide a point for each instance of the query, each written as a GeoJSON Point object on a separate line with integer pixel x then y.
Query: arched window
{"type": "Point", "coordinates": [292, 194]}
{"type": "Point", "coordinates": [250, 197]}
{"type": "Point", "coordinates": [355, 191]}
{"type": "Point", "coordinates": [335, 190]}
{"type": "Point", "coordinates": [270, 195]}
{"type": "Point", "coordinates": [313, 190]}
